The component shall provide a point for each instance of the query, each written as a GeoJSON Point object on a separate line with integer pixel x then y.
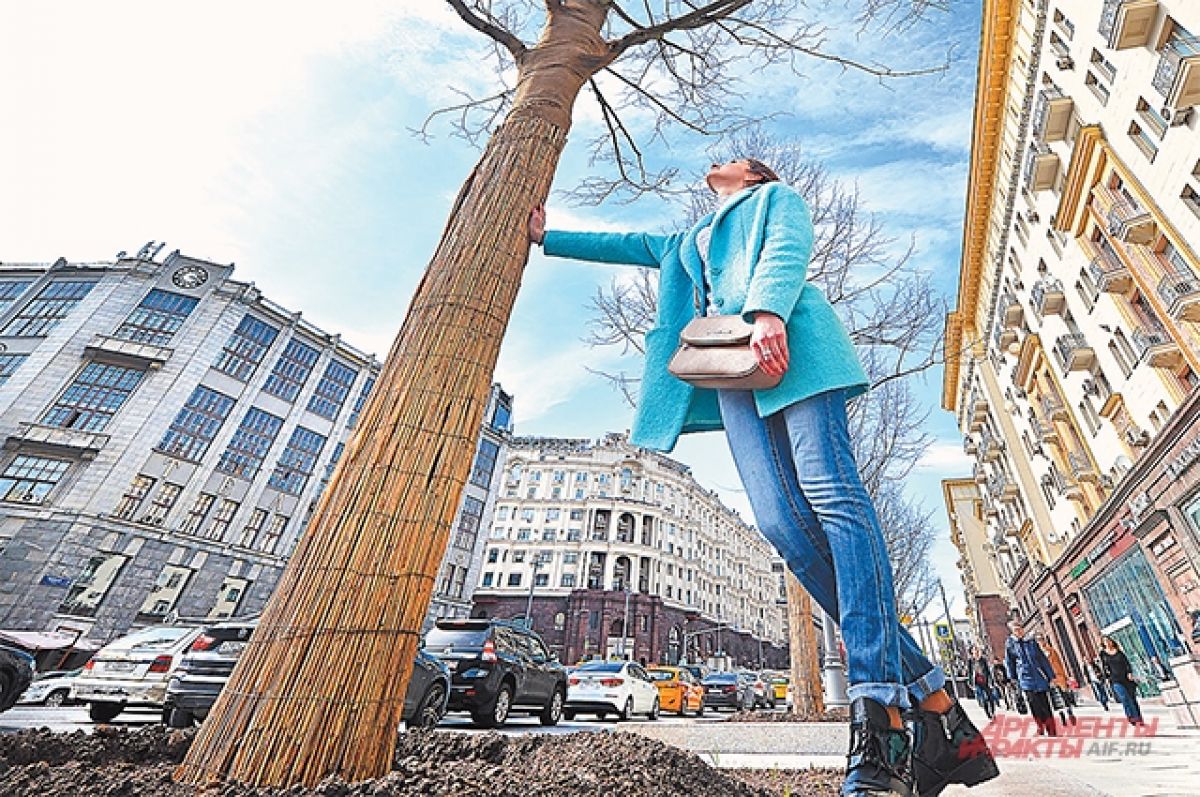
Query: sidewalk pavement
{"type": "Point", "coordinates": [1100, 755]}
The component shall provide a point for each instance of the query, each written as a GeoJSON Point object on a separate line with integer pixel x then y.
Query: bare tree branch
{"type": "Point", "coordinates": [698, 18]}
{"type": "Point", "coordinates": [490, 27]}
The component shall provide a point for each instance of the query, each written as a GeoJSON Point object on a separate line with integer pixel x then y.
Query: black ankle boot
{"type": "Point", "coordinates": [950, 749]}
{"type": "Point", "coordinates": [880, 758]}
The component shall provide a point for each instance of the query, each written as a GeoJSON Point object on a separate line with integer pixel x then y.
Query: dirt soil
{"type": "Point", "coordinates": [833, 715]}
{"type": "Point", "coordinates": [138, 763]}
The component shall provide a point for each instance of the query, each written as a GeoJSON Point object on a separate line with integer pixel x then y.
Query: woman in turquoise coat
{"type": "Point", "coordinates": [792, 449]}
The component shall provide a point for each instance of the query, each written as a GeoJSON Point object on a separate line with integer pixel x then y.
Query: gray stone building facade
{"type": "Point", "coordinates": [166, 433]}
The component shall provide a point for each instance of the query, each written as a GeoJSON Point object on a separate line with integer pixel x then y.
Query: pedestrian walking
{"type": "Point", "coordinates": [1120, 675]}
{"type": "Point", "coordinates": [1060, 697]}
{"type": "Point", "coordinates": [746, 262]}
{"type": "Point", "coordinates": [1093, 672]}
{"type": "Point", "coordinates": [1028, 666]}
{"type": "Point", "coordinates": [1002, 686]}
{"type": "Point", "coordinates": [981, 679]}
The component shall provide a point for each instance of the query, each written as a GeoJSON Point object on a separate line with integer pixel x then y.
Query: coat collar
{"type": "Point", "coordinates": [690, 252]}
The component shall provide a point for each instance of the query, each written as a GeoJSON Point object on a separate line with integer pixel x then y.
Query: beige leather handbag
{"type": "Point", "coordinates": [714, 352]}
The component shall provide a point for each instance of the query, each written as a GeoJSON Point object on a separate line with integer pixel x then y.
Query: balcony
{"type": "Point", "coordinates": [970, 447]}
{"type": "Point", "coordinates": [1053, 408]}
{"type": "Point", "coordinates": [1000, 488]}
{"type": "Point", "coordinates": [1052, 114]}
{"type": "Point", "coordinates": [1048, 297]}
{"type": "Point", "coordinates": [980, 474]}
{"type": "Point", "coordinates": [1081, 467]}
{"type": "Point", "coordinates": [128, 352]}
{"type": "Point", "coordinates": [1046, 432]}
{"type": "Point", "coordinates": [1130, 224]}
{"type": "Point", "coordinates": [990, 446]}
{"type": "Point", "coordinates": [1181, 293]}
{"type": "Point", "coordinates": [53, 439]}
{"type": "Point", "coordinates": [1128, 23]}
{"type": "Point", "coordinates": [1012, 311]}
{"type": "Point", "coordinates": [978, 409]}
{"type": "Point", "coordinates": [1177, 77]}
{"type": "Point", "coordinates": [1110, 273]}
{"type": "Point", "coordinates": [1074, 353]}
{"type": "Point", "coordinates": [1041, 168]}
{"type": "Point", "coordinates": [1156, 348]}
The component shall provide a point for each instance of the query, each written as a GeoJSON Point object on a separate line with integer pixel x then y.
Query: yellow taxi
{"type": "Point", "coordinates": [779, 686]}
{"type": "Point", "coordinates": [678, 690]}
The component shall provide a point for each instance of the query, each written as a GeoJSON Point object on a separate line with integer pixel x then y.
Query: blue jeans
{"type": "Point", "coordinates": [799, 472]}
{"type": "Point", "coordinates": [1127, 694]}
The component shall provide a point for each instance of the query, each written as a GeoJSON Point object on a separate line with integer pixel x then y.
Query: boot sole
{"type": "Point", "coordinates": [969, 773]}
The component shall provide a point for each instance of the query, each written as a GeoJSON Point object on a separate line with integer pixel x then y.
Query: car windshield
{"type": "Point", "coordinates": [442, 638]}
{"type": "Point", "coordinates": [660, 675]}
{"type": "Point", "coordinates": [154, 637]}
{"type": "Point", "coordinates": [724, 678]}
{"type": "Point", "coordinates": [602, 666]}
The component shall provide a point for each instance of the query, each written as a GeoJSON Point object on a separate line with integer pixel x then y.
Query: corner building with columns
{"type": "Point", "coordinates": [1074, 351]}
{"type": "Point", "coordinates": [618, 551]}
{"type": "Point", "coordinates": [167, 431]}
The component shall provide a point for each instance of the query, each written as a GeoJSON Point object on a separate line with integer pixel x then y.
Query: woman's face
{"type": "Point", "coordinates": [732, 175]}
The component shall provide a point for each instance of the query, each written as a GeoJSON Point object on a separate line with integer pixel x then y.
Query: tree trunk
{"type": "Point", "coordinates": [807, 692]}
{"type": "Point", "coordinates": [320, 689]}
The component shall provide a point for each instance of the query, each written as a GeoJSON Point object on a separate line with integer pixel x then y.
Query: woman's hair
{"type": "Point", "coordinates": [1109, 641]}
{"type": "Point", "coordinates": [764, 171]}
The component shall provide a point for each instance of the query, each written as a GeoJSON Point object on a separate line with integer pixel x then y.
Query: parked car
{"type": "Point", "coordinates": [16, 673]}
{"type": "Point", "coordinates": [498, 667]}
{"type": "Point", "coordinates": [779, 688]}
{"type": "Point", "coordinates": [132, 671]}
{"type": "Point", "coordinates": [728, 690]}
{"type": "Point", "coordinates": [622, 688]}
{"type": "Point", "coordinates": [51, 688]}
{"type": "Point", "coordinates": [678, 690]}
{"type": "Point", "coordinates": [205, 669]}
{"type": "Point", "coordinates": [764, 695]}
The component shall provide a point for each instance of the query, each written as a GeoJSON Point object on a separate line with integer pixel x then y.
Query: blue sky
{"type": "Point", "coordinates": [277, 135]}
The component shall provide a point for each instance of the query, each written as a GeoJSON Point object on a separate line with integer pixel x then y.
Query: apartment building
{"type": "Point", "coordinates": [1073, 351]}
{"type": "Point", "coordinates": [611, 549]}
{"type": "Point", "coordinates": [987, 596]}
{"type": "Point", "coordinates": [167, 431]}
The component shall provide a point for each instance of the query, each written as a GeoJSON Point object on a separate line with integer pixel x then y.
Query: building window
{"type": "Point", "coordinates": [468, 524]}
{"type": "Point", "coordinates": [487, 579]}
{"type": "Point", "coordinates": [568, 580]}
{"type": "Point", "coordinates": [245, 348]}
{"type": "Point", "coordinates": [9, 363]}
{"type": "Point", "coordinates": [485, 463]}
{"type": "Point", "coordinates": [541, 580]}
{"type": "Point", "coordinates": [196, 425]}
{"type": "Point", "coordinates": [1089, 416]}
{"type": "Point", "coordinates": [1191, 198]}
{"type": "Point", "coordinates": [1096, 87]}
{"type": "Point", "coordinates": [229, 598]}
{"type": "Point", "coordinates": [132, 500]}
{"type": "Point", "coordinates": [502, 416]}
{"type": "Point", "coordinates": [459, 583]}
{"type": "Point", "coordinates": [514, 579]}
{"type": "Point", "coordinates": [253, 526]}
{"type": "Point", "coordinates": [157, 318]}
{"type": "Point", "coordinates": [166, 591]}
{"type": "Point", "coordinates": [197, 514]}
{"type": "Point", "coordinates": [10, 291]}
{"type": "Point", "coordinates": [549, 534]}
{"type": "Point", "coordinates": [30, 479]}
{"type": "Point", "coordinates": [162, 504]}
{"type": "Point", "coordinates": [221, 519]}
{"type": "Point", "coordinates": [297, 461]}
{"type": "Point", "coordinates": [96, 395]}
{"type": "Point", "coordinates": [1117, 355]}
{"type": "Point", "coordinates": [291, 370]}
{"type": "Point", "coordinates": [1143, 141]}
{"type": "Point", "coordinates": [274, 532]}
{"type": "Point", "coordinates": [54, 302]}
{"type": "Point", "coordinates": [332, 389]}
{"type": "Point", "coordinates": [518, 557]}
{"type": "Point", "coordinates": [250, 444]}
{"type": "Point", "coordinates": [87, 592]}
{"type": "Point", "coordinates": [360, 402]}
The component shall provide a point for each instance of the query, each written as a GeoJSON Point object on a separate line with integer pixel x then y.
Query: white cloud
{"type": "Point", "coordinates": [946, 457]}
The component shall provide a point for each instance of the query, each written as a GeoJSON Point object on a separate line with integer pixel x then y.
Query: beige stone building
{"type": "Point", "coordinates": [1074, 345]}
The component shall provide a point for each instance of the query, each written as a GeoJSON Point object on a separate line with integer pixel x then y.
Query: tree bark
{"type": "Point", "coordinates": [320, 688]}
{"type": "Point", "coordinates": [807, 691]}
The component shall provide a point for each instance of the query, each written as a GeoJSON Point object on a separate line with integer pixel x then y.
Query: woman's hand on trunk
{"type": "Point", "coordinates": [537, 224]}
{"type": "Point", "coordinates": [769, 343]}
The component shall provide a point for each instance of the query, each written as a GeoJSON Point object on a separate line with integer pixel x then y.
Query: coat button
{"type": "Point", "coordinates": [720, 302]}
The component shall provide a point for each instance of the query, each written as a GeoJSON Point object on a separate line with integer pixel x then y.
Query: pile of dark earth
{"type": "Point", "coordinates": [138, 763]}
{"type": "Point", "coordinates": [832, 715]}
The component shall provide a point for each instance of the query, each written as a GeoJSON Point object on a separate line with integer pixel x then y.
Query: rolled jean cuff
{"type": "Point", "coordinates": [927, 684]}
{"type": "Point", "coordinates": [882, 693]}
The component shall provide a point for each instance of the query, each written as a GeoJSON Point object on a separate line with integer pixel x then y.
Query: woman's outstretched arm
{"type": "Point", "coordinates": [628, 248]}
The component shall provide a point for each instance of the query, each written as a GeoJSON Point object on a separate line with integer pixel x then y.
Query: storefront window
{"type": "Point", "coordinates": [1130, 606]}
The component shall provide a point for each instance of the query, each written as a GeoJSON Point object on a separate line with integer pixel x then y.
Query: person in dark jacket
{"type": "Point", "coordinates": [1001, 685]}
{"type": "Point", "coordinates": [1028, 666]}
{"type": "Point", "coordinates": [1120, 675]}
{"type": "Point", "coordinates": [1095, 676]}
{"type": "Point", "coordinates": [982, 681]}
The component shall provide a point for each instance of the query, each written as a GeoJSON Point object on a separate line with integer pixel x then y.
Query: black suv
{"type": "Point", "coordinates": [16, 673]}
{"type": "Point", "coordinates": [209, 662]}
{"type": "Point", "coordinates": [498, 666]}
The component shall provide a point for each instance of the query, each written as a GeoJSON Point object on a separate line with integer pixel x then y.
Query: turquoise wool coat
{"type": "Point", "coordinates": [758, 255]}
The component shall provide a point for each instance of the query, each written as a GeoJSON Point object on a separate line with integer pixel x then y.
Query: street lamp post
{"type": "Point", "coordinates": [835, 674]}
{"type": "Point", "coordinates": [537, 565]}
{"type": "Point", "coordinates": [625, 620]}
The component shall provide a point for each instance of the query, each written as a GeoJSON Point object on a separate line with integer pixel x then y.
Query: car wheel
{"type": "Point", "coordinates": [654, 711]}
{"type": "Point", "coordinates": [429, 713]}
{"type": "Point", "coordinates": [601, 715]}
{"type": "Point", "coordinates": [627, 711]}
{"type": "Point", "coordinates": [553, 711]}
{"type": "Point", "coordinates": [179, 718]}
{"type": "Point", "coordinates": [55, 698]}
{"type": "Point", "coordinates": [498, 714]}
{"type": "Point", "coordinates": [700, 710]}
{"type": "Point", "coordinates": [104, 712]}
